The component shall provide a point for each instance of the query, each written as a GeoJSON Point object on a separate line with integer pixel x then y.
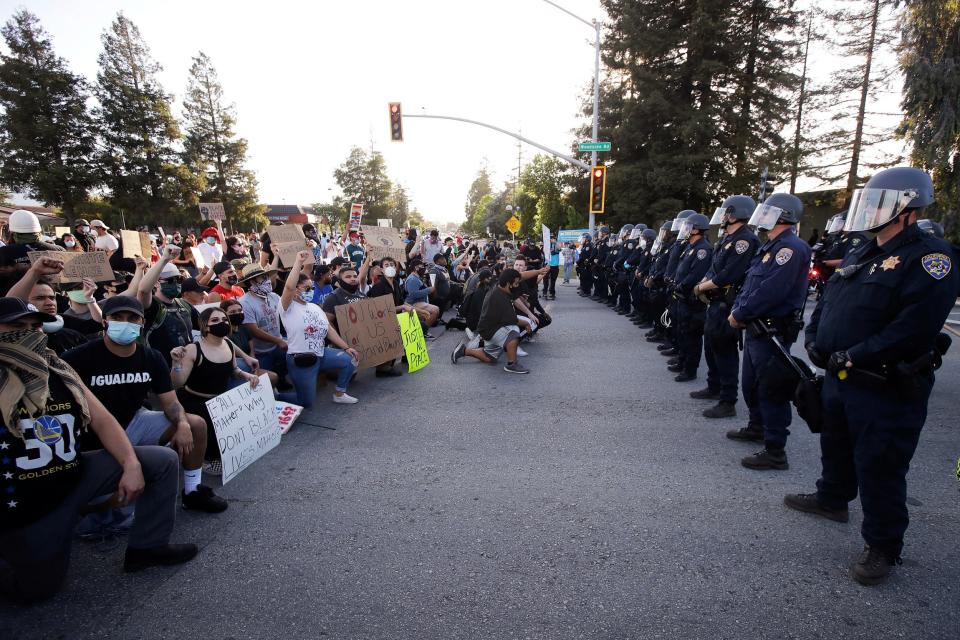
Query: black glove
{"type": "Point", "coordinates": [837, 362]}
{"type": "Point", "coordinates": [818, 358]}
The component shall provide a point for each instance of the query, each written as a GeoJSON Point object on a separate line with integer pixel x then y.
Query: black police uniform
{"type": "Point", "coordinates": [584, 267]}
{"type": "Point", "coordinates": [728, 271]}
{"type": "Point", "coordinates": [599, 274]}
{"type": "Point", "coordinates": [657, 297]}
{"type": "Point", "coordinates": [669, 277]}
{"type": "Point", "coordinates": [773, 293]}
{"type": "Point", "coordinates": [884, 308]}
{"type": "Point", "coordinates": [693, 266]}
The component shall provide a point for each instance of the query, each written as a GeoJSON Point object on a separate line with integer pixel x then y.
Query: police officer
{"type": "Point", "coordinates": [770, 307]}
{"type": "Point", "coordinates": [721, 286]}
{"type": "Point", "coordinates": [694, 264]}
{"type": "Point", "coordinates": [876, 333]}
{"type": "Point", "coordinates": [638, 292]}
{"type": "Point", "coordinates": [585, 266]}
{"type": "Point", "coordinates": [655, 283]}
{"type": "Point", "coordinates": [672, 348]}
{"type": "Point", "coordinates": [604, 243]}
{"type": "Point", "coordinates": [620, 269]}
{"type": "Point", "coordinates": [848, 241]}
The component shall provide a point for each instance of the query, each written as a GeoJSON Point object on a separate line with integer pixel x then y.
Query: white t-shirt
{"type": "Point", "coordinates": [306, 326]}
{"type": "Point", "coordinates": [210, 253]}
{"type": "Point", "coordinates": [107, 242]}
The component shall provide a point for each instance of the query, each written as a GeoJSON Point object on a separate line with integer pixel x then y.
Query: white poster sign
{"type": "Point", "coordinates": [546, 244]}
{"type": "Point", "coordinates": [246, 424]}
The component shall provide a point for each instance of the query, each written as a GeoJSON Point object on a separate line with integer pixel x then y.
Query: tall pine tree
{"type": "Point", "coordinates": [142, 167]}
{"type": "Point", "coordinates": [212, 150]}
{"type": "Point", "coordinates": [930, 59]}
{"type": "Point", "coordinates": [47, 140]}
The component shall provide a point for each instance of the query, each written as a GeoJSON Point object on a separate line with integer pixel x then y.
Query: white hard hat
{"type": "Point", "coordinates": [23, 221]}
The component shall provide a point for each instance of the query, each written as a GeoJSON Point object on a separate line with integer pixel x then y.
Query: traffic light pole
{"type": "Point", "coordinates": [562, 156]}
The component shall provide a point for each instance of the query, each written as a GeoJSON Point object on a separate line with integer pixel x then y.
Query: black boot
{"type": "Point", "coordinates": [807, 502]}
{"type": "Point", "coordinates": [705, 394]}
{"type": "Point", "coordinates": [750, 433]}
{"type": "Point", "coordinates": [873, 566]}
{"type": "Point", "coordinates": [767, 459]}
{"type": "Point", "coordinates": [685, 376]}
{"type": "Point", "coordinates": [720, 410]}
{"type": "Point", "coordinates": [675, 368]}
{"type": "Point", "coordinates": [165, 555]}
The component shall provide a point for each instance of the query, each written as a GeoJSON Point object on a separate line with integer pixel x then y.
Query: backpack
{"type": "Point", "coordinates": [184, 306]}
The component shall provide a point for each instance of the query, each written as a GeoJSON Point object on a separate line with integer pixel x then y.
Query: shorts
{"type": "Point", "coordinates": [494, 346]}
{"type": "Point", "coordinates": [147, 427]}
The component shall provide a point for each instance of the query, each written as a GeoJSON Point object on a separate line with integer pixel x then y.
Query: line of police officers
{"type": "Point", "coordinates": [876, 331]}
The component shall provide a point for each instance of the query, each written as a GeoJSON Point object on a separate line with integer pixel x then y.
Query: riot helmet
{"type": "Point", "coordinates": [779, 208]}
{"type": "Point", "coordinates": [886, 195]}
{"type": "Point", "coordinates": [696, 221]}
{"type": "Point", "coordinates": [835, 224]}
{"type": "Point", "coordinates": [737, 207]}
{"type": "Point", "coordinates": [683, 215]}
{"type": "Point", "coordinates": [932, 227]}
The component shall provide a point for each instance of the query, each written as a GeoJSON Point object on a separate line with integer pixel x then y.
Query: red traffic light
{"type": "Point", "coordinates": [396, 122]}
{"type": "Point", "coordinates": [598, 189]}
{"type": "Point", "coordinates": [598, 173]}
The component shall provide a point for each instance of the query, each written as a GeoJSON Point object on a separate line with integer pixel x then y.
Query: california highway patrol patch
{"type": "Point", "coordinates": [701, 254]}
{"type": "Point", "coordinates": [937, 265]}
{"type": "Point", "coordinates": [784, 255]}
{"type": "Point", "coordinates": [742, 246]}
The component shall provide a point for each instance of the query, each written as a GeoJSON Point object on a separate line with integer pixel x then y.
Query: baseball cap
{"type": "Point", "coordinates": [191, 284]}
{"type": "Point", "coordinates": [170, 270]}
{"type": "Point", "coordinates": [99, 223]}
{"type": "Point", "coordinates": [12, 309]}
{"type": "Point", "coordinates": [220, 267]}
{"type": "Point", "coordinates": [81, 223]}
{"type": "Point", "coordinates": [116, 304]}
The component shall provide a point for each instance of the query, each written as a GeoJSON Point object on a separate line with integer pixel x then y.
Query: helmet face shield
{"type": "Point", "coordinates": [675, 226]}
{"type": "Point", "coordinates": [718, 216]}
{"type": "Point", "coordinates": [836, 224]}
{"type": "Point", "coordinates": [657, 246]}
{"type": "Point", "coordinates": [765, 217]}
{"type": "Point", "coordinates": [872, 208]}
{"type": "Point", "coordinates": [685, 228]}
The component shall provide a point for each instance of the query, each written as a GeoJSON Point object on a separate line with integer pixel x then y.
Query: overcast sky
{"type": "Point", "coordinates": [311, 79]}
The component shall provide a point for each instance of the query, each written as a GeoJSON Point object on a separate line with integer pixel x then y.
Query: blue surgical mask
{"type": "Point", "coordinates": [306, 296]}
{"type": "Point", "coordinates": [123, 333]}
{"type": "Point", "coordinates": [211, 240]}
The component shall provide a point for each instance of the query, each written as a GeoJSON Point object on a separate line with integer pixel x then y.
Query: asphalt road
{"type": "Point", "coordinates": [588, 499]}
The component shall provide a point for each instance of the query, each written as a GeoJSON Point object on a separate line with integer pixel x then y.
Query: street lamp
{"type": "Point", "coordinates": [596, 86]}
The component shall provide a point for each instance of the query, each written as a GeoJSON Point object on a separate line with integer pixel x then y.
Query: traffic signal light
{"type": "Point", "coordinates": [396, 122]}
{"type": "Point", "coordinates": [598, 188]}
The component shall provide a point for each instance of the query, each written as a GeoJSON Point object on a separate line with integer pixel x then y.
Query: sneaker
{"type": "Point", "coordinates": [720, 410]}
{"type": "Point", "coordinates": [203, 499]}
{"type": "Point", "coordinates": [807, 502]}
{"type": "Point", "coordinates": [873, 566]}
{"type": "Point", "coordinates": [343, 398]}
{"type": "Point", "coordinates": [767, 459]}
{"type": "Point", "coordinates": [749, 433]}
{"type": "Point", "coordinates": [521, 352]}
{"type": "Point", "coordinates": [458, 353]}
{"type": "Point", "coordinates": [705, 394]}
{"type": "Point", "coordinates": [516, 367]}
{"type": "Point", "coordinates": [165, 555]}
{"type": "Point", "coordinates": [213, 468]}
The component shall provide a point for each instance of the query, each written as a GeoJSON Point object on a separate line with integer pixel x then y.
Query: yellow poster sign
{"type": "Point", "coordinates": [413, 341]}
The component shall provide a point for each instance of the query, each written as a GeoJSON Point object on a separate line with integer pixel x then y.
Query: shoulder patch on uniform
{"type": "Point", "coordinates": [784, 255]}
{"type": "Point", "coordinates": [938, 265]}
{"type": "Point", "coordinates": [742, 246]}
{"type": "Point", "coordinates": [701, 254]}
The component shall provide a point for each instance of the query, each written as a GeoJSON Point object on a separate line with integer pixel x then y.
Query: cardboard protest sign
{"type": "Point", "coordinates": [136, 243]}
{"type": "Point", "coordinates": [413, 341]}
{"type": "Point", "coordinates": [59, 231]}
{"type": "Point", "coordinates": [356, 212]}
{"type": "Point", "coordinates": [287, 414]}
{"type": "Point", "coordinates": [384, 242]}
{"type": "Point", "coordinates": [245, 421]}
{"type": "Point", "coordinates": [288, 252]}
{"type": "Point", "coordinates": [77, 266]}
{"type": "Point", "coordinates": [213, 211]}
{"type": "Point", "coordinates": [280, 233]}
{"type": "Point", "coordinates": [370, 326]}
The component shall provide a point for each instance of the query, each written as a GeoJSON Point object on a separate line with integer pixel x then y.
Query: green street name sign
{"type": "Point", "coordinates": [594, 146]}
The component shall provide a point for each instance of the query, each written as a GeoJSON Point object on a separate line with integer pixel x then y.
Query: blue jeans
{"type": "Point", "coordinates": [305, 378]}
{"type": "Point", "coordinates": [567, 272]}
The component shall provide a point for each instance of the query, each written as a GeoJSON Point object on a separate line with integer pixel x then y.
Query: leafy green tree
{"type": "Point", "coordinates": [479, 191]}
{"type": "Point", "coordinates": [399, 206]}
{"type": "Point", "coordinates": [213, 152]}
{"type": "Point", "coordinates": [543, 179]}
{"type": "Point", "coordinates": [363, 178]}
{"type": "Point", "coordinates": [47, 139]}
{"type": "Point", "coordinates": [139, 134]}
{"type": "Point", "coordinates": [930, 59]}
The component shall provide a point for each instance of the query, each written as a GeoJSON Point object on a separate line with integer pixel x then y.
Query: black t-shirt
{"type": "Point", "coordinates": [383, 288]}
{"type": "Point", "coordinates": [39, 471]}
{"type": "Point", "coordinates": [15, 255]}
{"type": "Point", "coordinates": [121, 384]}
{"type": "Point", "coordinates": [65, 339]}
{"type": "Point", "coordinates": [339, 297]}
{"type": "Point", "coordinates": [86, 327]}
{"type": "Point", "coordinates": [176, 330]}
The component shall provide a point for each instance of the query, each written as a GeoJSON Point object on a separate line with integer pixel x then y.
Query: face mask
{"type": "Point", "coordinates": [232, 281]}
{"type": "Point", "coordinates": [221, 330]}
{"type": "Point", "coordinates": [78, 296]}
{"type": "Point", "coordinates": [306, 296]}
{"type": "Point", "coordinates": [390, 272]}
{"type": "Point", "coordinates": [210, 240]}
{"type": "Point", "coordinates": [261, 288]}
{"type": "Point", "coordinates": [170, 289]}
{"type": "Point", "coordinates": [236, 319]}
{"type": "Point", "coordinates": [53, 327]}
{"type": "Point", "coordinates": [122, 333]}
{"type": "Point", "coordinates": [349, 288]}
{"type": "Point", "coordinates": [85, 229]}
{"type": "Point", "coordinates": [70, 244]}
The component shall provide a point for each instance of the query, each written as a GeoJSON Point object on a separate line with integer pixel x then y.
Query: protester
{"type": "Point", "coordinates": [354, 250]}
{"type": "Point", "coordinates": [170, 319]}
{"type": "Point", "coordinates": [185, 259]}
{"type": "Point", "coordinates": [497, 327]}
{"type": "Point", "coordinates": [209, 249]}
{"type": "Point", "coordinates": [261, 308]}
{"type": "Point", "coordinates": [81, 231]}
{"type": "Point", "coordinates": [236, 250]}
{"type": "Point", "coordinates": [568, 257]}
{"type": "Point", "coordinates": [418, 294]}
{"type": "Point", "coordinates": [322, 283]}
{"type": "Point", "coordinates": [39, 392]}
{"type": "Point", "coordinates": [69, 242]}
{"type": "Point", "coordinates": [227, 287]}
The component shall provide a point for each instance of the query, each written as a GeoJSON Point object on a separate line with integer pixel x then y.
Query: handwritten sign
{"type": "Point", "coordinates": [77, 266]}
{"type": "Point", "coordinates": [287, 414]}
{"type": "Point", "coordinates": [288, 252]}
{"type": "Point", "coordinates": [59, 231]}
{"type": "Point", "coordinates": [356, 212]}
{"type": "Point", "coordinates": [370, 326]}
{"type": "Point", "coordinates": [280, 233]}
{"type": "Point", "coordinates": [413, 341]}
{"type": "Point", "coordinates": [135, 243]}
{"type": "Point", "coordinates": [384, 242]}
{"type": "Point", "coordinates": [245, 421]}
{"type": "Point", "coordinates": [213, 211]}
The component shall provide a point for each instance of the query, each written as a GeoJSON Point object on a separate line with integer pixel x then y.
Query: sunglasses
{"type": "Point", "coordinates": [176, 280]}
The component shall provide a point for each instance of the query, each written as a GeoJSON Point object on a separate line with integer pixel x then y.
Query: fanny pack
{"type": "Point", "coordinates": [305, 359]}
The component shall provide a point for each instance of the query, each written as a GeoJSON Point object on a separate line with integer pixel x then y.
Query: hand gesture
{"type": "Point", "coordinates": [47, 267]}
{"type": "Point", "coordinates": [303, 257]}
{"type": "Point", "coordinates": [89, 287]}
{"type": "Point", "coordinates": [170, 252]}
{"type": "Point", "coordinates": [177, 354]}
{"type": "Point", "coordinates": [253, 380]}
{"type": "Point", "coordinates": [142, 264]}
